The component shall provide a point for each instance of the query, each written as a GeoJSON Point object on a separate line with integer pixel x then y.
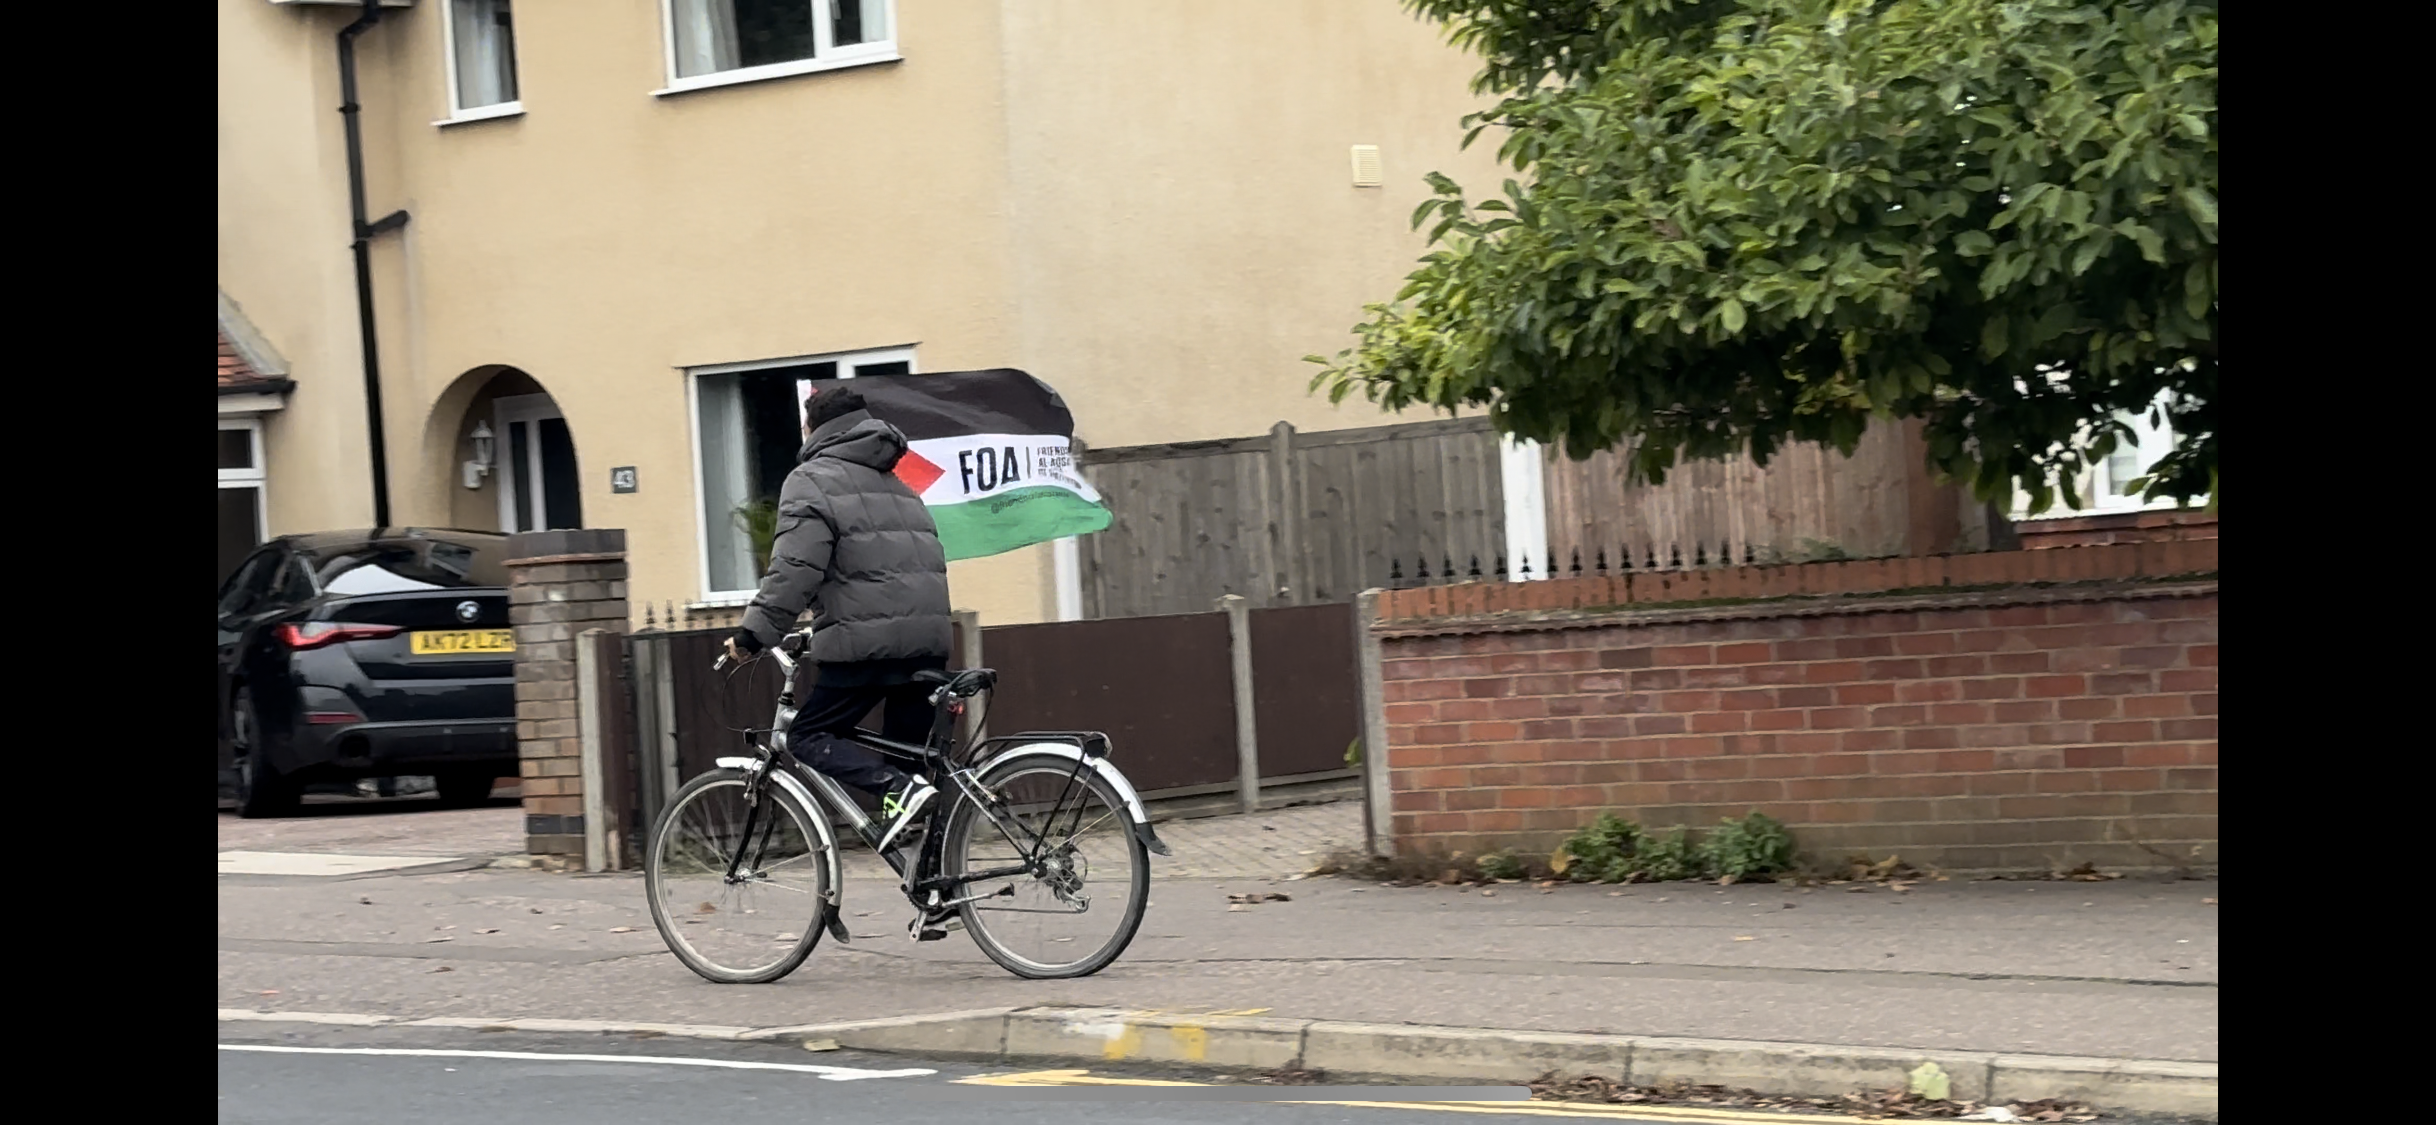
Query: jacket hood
{"type": "Point", "coordinates": [856, 437]}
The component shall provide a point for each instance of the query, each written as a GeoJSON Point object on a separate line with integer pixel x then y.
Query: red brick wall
{"type": "Point", "coordinates": [1995, 730]}
{"type": "Point", "coordinates": [2121, 527]}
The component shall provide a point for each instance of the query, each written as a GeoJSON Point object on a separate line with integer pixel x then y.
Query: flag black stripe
{"type": "Point", "coordinates": [947, 404]}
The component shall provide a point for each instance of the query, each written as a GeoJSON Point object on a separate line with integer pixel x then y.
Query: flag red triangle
{"type": "Point", "coordinates": [917, 472]}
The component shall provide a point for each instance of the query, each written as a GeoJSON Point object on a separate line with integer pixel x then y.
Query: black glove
{"type": "Point", "coordinates": [746, 642]}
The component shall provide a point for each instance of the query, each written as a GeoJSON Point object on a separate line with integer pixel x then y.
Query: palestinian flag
{"type": "Point", "coordinates": [992, 454]}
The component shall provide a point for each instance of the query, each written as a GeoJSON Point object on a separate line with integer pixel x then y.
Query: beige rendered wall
{"type": "Point", "coordinates": [1187, 224]}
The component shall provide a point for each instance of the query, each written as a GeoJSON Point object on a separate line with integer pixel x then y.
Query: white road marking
{"type": "Point", "coordinates": [830, 1073]}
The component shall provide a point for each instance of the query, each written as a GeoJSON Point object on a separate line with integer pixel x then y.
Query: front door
{"type": "Point", "coordinates": [537, 475]}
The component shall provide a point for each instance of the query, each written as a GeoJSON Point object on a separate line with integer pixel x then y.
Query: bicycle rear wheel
{"type": "Point", "coordinates": [734, 918]}
{"type": "Point", "coordinates": [1077, 905]}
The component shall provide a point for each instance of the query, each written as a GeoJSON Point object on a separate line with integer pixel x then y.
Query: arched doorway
{"type": "Point", "coordinates": [514, 465]}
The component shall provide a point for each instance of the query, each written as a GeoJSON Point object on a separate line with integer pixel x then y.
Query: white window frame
{"type": "Point", "coordinates": [846, 362]}
{"type": "Point", "coordinates": [825, 55]}
{"type": "Point", "coordinates": [257, 477]}
{"type": "Point", "coordinates": [530, 410]}
{"type": "Point", "coordinates": [457, 114]}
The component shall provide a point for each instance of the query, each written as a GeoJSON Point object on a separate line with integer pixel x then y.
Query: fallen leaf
{"type": "Point", "coordinates": [365, 900]}
{"type": "Point", "coordinates": [820, 1044]}
{"type": "Point", "coordinates": [1488, 894]}
{"type": "Point", "coordinates": [1786, 905]}
{"type": "Point", "coordinates": [535, 909]}
{"type": "Point", "coordinates": [621, 929]}
{"type": "Point", "coordinates": [441, 938]}
{"type": "Point", "coordinates": [705, 908]}
{"type": "Point", "coordinates": [268, 992]}
{"type": "Point", "coordinates": [492, 930]}
{"type": "Point", "coordinates": [2207, 902]}
{"type": "Point", "coordinates": [558, 925]}
{"type": "Point", "coordinates": [444, 969]}
{"type": "Point", "coordinates": [1745, 937]}
{"type": "Point", "coordinates": [1727, 881]}
{"type": "Point", "coordinates": [1238, 906]}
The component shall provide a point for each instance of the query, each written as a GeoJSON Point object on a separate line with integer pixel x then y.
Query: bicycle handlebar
{"type": "Point", "coordinates": [784, 650]}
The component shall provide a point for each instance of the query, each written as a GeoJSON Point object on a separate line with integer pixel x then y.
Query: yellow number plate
{"type": "Point", "coordinates": [471, 640]}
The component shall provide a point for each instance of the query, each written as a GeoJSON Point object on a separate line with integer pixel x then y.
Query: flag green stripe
{"type": "Point", "coordinates": [1018, 518]}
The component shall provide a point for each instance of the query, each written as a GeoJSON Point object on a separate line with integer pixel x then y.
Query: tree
{"type": "Point", "coordinates": [1747, 222]}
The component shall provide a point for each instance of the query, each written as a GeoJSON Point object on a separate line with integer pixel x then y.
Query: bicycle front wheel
{"type": "Point", "coordinates": [740, 892]}
{"type": "Point", "coordinates": [1084, 876]}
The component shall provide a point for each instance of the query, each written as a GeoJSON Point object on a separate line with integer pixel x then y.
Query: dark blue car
{"type": "Point", "coordinates": [367, 654]}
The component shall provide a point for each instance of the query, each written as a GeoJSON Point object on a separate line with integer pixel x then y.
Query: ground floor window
{"type": "Point", "coordinates": [748, 425]}
{"type": "Point", "coordinates": [2108, 487]}
{"type": "Point", "coordinates": [244, 509]}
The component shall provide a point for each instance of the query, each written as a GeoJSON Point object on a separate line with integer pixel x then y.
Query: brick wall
{"type": "Point", "coordinates": [1993, 729]}
{"type": "Point", "coordinates": [2120, 527]}
{"type": "Point", "coordinates": [560, 583]}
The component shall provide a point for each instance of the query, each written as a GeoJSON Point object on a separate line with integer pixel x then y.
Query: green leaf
{"type": "Point", "coordinates": [1992, 337]}
{"type": "Point", "coordinates": [1730, 314]}
{"type": "Point", "coordinates": [2152, 245]}
{"type": "Point", "coordinates": [1973, 243]}
{"type": "Point", "coordinates": [2197, 295]}
{"type": "Point", "coordinates": [2202, 205]}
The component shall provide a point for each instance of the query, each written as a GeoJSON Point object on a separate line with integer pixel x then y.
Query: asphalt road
{"type": "Point", "coordinates": [373, 1076]}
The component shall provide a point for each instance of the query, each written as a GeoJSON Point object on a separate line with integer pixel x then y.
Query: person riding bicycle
{"type": "Point", "coordinates": [857, 544]}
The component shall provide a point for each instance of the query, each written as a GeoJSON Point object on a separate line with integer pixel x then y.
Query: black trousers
{"type": "Point", "coordinates": [830, 710]}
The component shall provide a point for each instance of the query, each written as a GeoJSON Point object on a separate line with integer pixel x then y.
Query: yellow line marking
{"type": "Point", "coordinates": [1688, 1115]}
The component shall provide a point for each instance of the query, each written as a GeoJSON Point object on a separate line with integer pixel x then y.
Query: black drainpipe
{"type": "Point", "coordinates": [364, 233]}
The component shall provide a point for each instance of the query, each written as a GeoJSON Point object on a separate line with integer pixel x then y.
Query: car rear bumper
{"type": "Point", "coordinates": [419, 747]}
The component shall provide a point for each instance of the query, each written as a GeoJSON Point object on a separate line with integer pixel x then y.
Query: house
{"type": "Point", "coordinates": [602, 243]}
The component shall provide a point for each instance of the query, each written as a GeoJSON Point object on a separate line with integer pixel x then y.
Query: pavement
{"type": "Point", "coordinates": [2122, 969]}
{"type": "Point", "coordinates": [1274, 843]}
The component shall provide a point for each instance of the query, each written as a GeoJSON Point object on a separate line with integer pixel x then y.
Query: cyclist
{"type": "Point", "coordinates": [858, 545]}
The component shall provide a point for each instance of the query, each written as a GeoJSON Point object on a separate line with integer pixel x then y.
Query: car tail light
{"type": "Point", "coordinates": [332, 718]}
{"type": "Point", "coordinates": [315, 634]}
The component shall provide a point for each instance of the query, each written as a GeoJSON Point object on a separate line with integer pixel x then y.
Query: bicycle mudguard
{"type": "Point", "coordinates": [1097, 765]}
{"type": "Point", "coordinates": [820, 823]}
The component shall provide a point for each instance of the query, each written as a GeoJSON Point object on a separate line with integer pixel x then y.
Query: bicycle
{"type": "Point", "coordinates": [743, 866]}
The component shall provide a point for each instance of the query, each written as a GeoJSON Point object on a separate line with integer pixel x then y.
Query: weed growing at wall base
{"type": "Point", "coordinates": [1615, 850]}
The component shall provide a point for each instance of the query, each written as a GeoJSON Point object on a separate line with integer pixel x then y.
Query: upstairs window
{"type": "Point", "coordinates": [715, 42]}
{"type": "Point", "coordinates": [481, 60]}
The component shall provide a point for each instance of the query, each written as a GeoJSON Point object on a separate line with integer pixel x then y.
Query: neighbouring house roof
{"type": "Point", "coordinates": [248, 366]}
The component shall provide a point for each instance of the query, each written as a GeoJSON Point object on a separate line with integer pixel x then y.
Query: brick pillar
{"type": "Point", "coordinates": [560, 583]}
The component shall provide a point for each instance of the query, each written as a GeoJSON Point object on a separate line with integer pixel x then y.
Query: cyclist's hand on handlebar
{"type": "Point", "coordinates": [741, 646]}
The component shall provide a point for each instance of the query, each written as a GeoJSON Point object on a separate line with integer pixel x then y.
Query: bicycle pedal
{"type": "Point", "coordinates": [919, 933]}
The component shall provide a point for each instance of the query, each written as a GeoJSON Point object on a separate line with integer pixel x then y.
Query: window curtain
{"type": "Point", "coordinates": [486, 52]}
{"type": "Point", "coordinates": [858, 21]}
{"type": "Point", "coordinates": [706, 36]}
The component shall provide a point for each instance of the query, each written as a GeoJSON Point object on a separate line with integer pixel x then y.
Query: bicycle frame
{"type": "Point", "coordinates": [927, 889]}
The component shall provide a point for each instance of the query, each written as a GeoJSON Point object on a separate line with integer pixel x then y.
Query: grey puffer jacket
{"type": "Point", "coordinates": [856, 543]}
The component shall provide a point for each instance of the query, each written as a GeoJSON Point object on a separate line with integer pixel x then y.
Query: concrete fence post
{"type": "Point", "coordinates": [1247, 738]}
{"type": "Point", "coordinates": [1378, 817]}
